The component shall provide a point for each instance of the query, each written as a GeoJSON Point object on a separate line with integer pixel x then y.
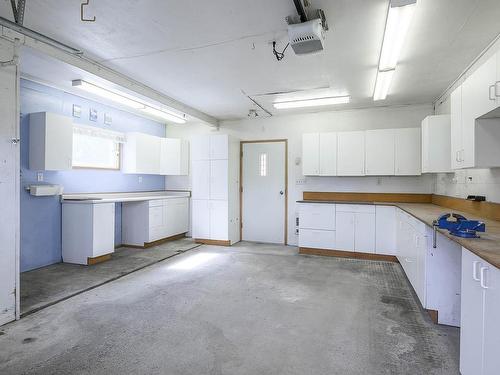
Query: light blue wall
{"type": "Point", "coordinates": [41, 216]}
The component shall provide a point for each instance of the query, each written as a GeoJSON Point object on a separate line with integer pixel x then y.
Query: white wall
{"type": "Point", "coordinates": [292, 127]}
{"type": "Point", "coordinates": [468, 181]}
{"type": "Point", "coordinates": [9, 186]}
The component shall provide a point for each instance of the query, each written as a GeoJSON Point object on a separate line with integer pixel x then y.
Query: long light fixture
{"type": "Point", "coordinates": [384, 80]}
{"type": "Point", "coordinates": [131, 103]}
{"type": "Point", "coordinates": [312, 102]}
{"type": "Point", "coordinates": [398, 22]}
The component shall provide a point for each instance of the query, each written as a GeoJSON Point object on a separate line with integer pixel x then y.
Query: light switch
{"type": "Point", "coordinates": [39, 177]}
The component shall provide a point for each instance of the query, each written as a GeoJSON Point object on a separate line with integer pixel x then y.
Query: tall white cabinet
{"type": "Point", "coordinates": [215, 189]}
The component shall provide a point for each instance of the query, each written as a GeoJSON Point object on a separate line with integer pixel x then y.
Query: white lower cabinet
{"type": "Point", "coordinates": [317, 226]}
{"type": "Point", "coordinates": [88, 231]}
{"type": "Point", "coordinates": [356, 228]}
{"type": "Point", "coordinates": [317, 239]}
{"type": "Point", "coordinates": [200, 225]}
{"type": "Point", "coordinates": [385, 230]}
{"type": "Point", "coordinates": [480, 325]}
{"type": "Point", "coordinates": [149, 221]}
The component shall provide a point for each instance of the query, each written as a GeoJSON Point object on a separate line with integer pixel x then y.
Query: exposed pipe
{"type": "Point", "coordinates": [37, 36]}
{"type": "Point", "coordinates": [299, 5]}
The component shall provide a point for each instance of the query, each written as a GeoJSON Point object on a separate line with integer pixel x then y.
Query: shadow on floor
{"type": "Point", "coordinates": [46, 286]}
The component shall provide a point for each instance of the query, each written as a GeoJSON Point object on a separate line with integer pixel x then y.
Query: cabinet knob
{"type": "Point", "coordinates": [281, 192]}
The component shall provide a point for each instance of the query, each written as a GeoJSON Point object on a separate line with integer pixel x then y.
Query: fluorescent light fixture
{"type": "Point", "coordinates": [398, 22]}
{"type": "Point", "coordinates": [164, 115]}
{"type": "Point", "coordinates": [383, 83]}
{"type": "Point", "coordinates": [126, 101]}
{"type": "Point", "coordinates": [193, 261]}
{"type": "Point", "coordinates": [312, 102]}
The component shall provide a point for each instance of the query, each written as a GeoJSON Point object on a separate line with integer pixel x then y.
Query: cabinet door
{"type": "Point", "coordinates": [385, 230]}
{"type": "Point", "coordinates": [344, 234]}
{"type": "Point", "coordinates": [201, 179]}
{"type": "Point", "coordinates": [364, 234]}
{"type": "Point", "coordinates": [425, 145]}
{"type": "Point", "coordinates": [380, 152]}
{"type": "Point", "coordinates": [328, 154]}
{"type": "Point", "coordinates": [310, 154]}
{"type": "Point", "coordinates": [491, 339]}
{"type": "Point", "coordinates": [471, 322]}
{"type": "Point", "coordinates": [469, 115]}
{"type": "Point", "coordinates": [408, 152]}
{"type": "Point", "coordinates": [58, 142]}
{"type": "Point", "coordinates": [147, 153]}
{"type": "Point", "coordinates": [351, 154]}
{"type": "Point", "coordinates": [420, 257]}
{"type": "Point", "coordinates": [456, 127]}
{"type": "Point", "coordinates": [219, 179]}
{"type": "Point", "coordinates": [200, 148]}
{"type": "Point", "coordinates": [219, 224]}
{"type": "Point", "coordinates": [170, 156]}
{"type": "Point", "coordinates": [200, 217]}
{"type": "Point", "coordinates": [103, 227]}
{"type": "Point", "coordinates": [219, 147]}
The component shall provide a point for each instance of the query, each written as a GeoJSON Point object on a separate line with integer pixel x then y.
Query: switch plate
{"type": "Point", "coordinates": [140, 179]}
{"type": "Point", "coordinates": [39, 176]}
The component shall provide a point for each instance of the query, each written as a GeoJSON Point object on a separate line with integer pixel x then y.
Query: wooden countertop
{"type": "Point", "coordinates": [487, 247]}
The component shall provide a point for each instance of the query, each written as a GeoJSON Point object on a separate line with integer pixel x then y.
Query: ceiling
{"type": "Point", "coordinates": [216, 55]}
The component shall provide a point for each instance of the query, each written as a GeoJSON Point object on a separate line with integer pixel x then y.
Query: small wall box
{"type": "Point", "coordinates": [45, 190]}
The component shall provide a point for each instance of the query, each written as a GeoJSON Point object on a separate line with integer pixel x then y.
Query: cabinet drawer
{"type": "Point", "coordinates": [366, 208]}
{"type": "Point", "coordinates": [317, 216]}
{"type": "Point", "coordinates": [317, 239]}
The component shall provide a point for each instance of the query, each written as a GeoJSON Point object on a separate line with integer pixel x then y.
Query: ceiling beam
{"type": "Point", "coordinates": [74, 57]}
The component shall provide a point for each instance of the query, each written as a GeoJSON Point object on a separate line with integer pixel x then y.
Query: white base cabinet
{"type": "Point", "coordinates": [317, 226]}
{"type": "Point", "coordinates": [148, 221]}
{"type": "Point", "coordinates": [88, 231]}
{"type": "Point", "coordinates": [480, 325]}
{"type": "Point", "coordinates": [355, 228]}
{"type": "Point", "coordinates": [385, 230]}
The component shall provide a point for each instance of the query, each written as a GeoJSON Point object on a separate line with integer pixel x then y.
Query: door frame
{"type": "Point", "coordinates": [286, 182]}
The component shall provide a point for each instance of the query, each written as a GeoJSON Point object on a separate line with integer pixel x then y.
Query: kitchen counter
{"type": "Point", "coordinates": [83, 198]}
{"type": "Point", "coordinates": [487, 247]}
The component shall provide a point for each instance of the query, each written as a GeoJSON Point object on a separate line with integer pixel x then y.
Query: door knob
{"type": "Point", "coordinates": [281, 192]}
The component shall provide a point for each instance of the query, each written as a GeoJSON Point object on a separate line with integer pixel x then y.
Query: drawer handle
{"type": "Point", "coordinates": [483, 277]}
{"type": "Point", "coordinates": [474, 270]}
{"type": "Point", "coordinates": [489, 94]}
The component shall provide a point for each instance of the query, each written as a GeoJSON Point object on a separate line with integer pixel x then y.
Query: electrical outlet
{"type": "Point", "coordinates": [140, 179]}
{"type": "Point", "coordinates": [39, 177]}
{"type": "Point", "coordinates": [300, 181]}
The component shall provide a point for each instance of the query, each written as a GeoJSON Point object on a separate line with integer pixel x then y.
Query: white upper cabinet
{"type": "Point", "coordinates": [351, 153]}
{"type": "Point", "coordinates": [328, 154]}
{"type": "Point", "coordinates": [408, 152]}
{"type": "Point", "coordinates": [141, 154]}
{"type": "Point", "coordinates": [319, 154]}
{"type": "Point", "coordinates": [456, 128]}
{"type": "Point", "coordinates": [50, 142]}
{"type": "Point", "coordinates": [475, 140]}
{"type": "Point", "coordinates": [380, 152]}
{"type": "Point", "coordinates": [174, 157]}
{"type": "Point", "coordinates": [436, 144]}
{"type": "Point", "coordinates": [310, 154]}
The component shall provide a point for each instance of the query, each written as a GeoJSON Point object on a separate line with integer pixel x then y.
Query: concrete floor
{"type": "Point", "coordinates": [47, 285]}
{"type": "Point", "coordinates": [248, 309]}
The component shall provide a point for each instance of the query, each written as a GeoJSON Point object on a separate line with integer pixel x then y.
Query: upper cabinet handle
{"type": "Point", "coordinates": [489, 94]}
{"type": "Point", "coordinates": [474, 270]}
{"type": "Point", "coordinates": [497, 90]}
{"type": "Point", "coordinates": [483, 277]}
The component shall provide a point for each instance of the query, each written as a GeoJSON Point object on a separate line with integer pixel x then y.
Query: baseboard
{"type": "Point", "coordinates": [156, 243]}
{"type": "Point", "coordinates": [213, 242]}
{"type": "Point", "coordinates": [95, 260]}
{"type": "Point", "coordinates": [434, 315]}
{"type": "Point", "coordinates": [347, 254]}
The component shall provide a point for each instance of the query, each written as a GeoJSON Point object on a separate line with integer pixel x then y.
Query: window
{"type": "Point", "coordinates": [96, 148]}
{"type": "Point", "coordinates": [263, 165]}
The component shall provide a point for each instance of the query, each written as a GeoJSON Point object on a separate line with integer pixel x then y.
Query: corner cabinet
{"type": "Point", "coordinates": [50, 142]}
{"type": "Point", "coordinates": [475, 126]}
{"type": "Point", "coordinates": [215, 189]}
{"type": "Point", "coordinates": [480, 326]}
